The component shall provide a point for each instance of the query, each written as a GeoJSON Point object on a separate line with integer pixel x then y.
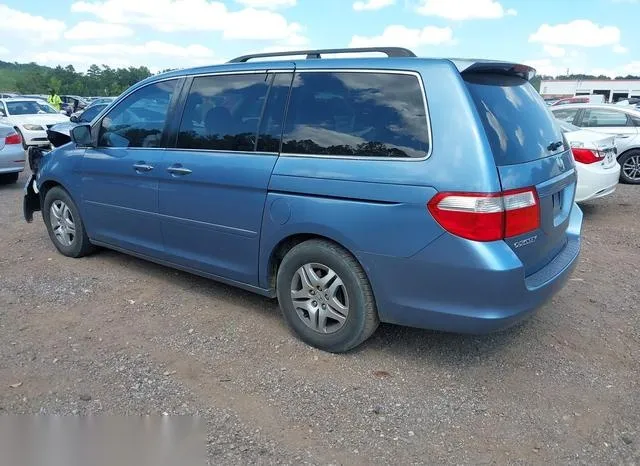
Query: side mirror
{"type": "Point", "coordinates": [81, 135]}
{"type": "Point", "coordinates": [2, 114]}
{"type": "Point", "coordinates": [74, 119]}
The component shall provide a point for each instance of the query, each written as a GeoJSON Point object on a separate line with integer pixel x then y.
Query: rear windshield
{"type": "Point", "coordinates": [518, 124]}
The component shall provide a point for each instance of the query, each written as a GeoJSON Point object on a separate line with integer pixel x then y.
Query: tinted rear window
{"type": "Point", "coordinates": [356, 114]}
{"type": "Point", "coordinates": [515, 118]}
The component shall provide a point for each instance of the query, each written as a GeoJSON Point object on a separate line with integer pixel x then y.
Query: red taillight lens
{"type": "Point", "coordinates": [13, 138]}
{"type": "Point", "coordinates": [586, 156]}
{"type": "Point", "coordinates": [487, 217]}
{"type": "Point", "coordinates": [522, 212]}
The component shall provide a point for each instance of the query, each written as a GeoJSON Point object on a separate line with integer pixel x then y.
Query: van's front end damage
{"type": "Point", "coordinates": [58, 135]}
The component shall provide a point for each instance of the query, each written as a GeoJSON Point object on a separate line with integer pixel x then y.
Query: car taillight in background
{"type": "Point", "coordinates": [13, 138]}
{"type": "Point", "coordinates": [487, 217]}
{"type": "Point", "coordinates": [587, 156]}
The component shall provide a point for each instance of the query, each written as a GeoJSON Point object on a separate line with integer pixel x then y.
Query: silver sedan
{"type": "Point", "coordinates": [12, 158]}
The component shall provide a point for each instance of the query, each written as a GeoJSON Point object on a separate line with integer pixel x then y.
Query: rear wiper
{"type": "Point", "coordinates": [554, 146]}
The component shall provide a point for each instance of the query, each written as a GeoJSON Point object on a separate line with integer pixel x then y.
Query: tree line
{"type": "Point", "coordinates": [102, 80]}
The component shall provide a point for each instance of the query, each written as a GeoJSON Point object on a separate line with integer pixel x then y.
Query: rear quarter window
{"type": "Point", "coordinates": [516, 120]}
{"type": "Point", "coordinates": [361, 114]}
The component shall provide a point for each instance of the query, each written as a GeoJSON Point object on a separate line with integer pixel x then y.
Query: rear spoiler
{"type": "Point", "coordinates": [497, 67]}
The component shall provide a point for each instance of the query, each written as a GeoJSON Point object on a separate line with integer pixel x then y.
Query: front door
{"type": "Point", "coordinates": [213, 189]}
{"type": "Point", "coordinates": [120, 175]}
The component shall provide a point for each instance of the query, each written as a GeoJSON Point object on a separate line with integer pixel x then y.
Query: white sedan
{"type": "Point", "coordinates": [596, 164]}
{"type": "Point", "coordinates": [31, 117]}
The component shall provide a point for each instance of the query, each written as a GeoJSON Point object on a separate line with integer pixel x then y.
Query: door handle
{"type": "Point", "coordinates": [142, 167]}
{"type": "Point", "coordinates": [622, 136]}
{"type": "Point", "coordinates": [178, 171]}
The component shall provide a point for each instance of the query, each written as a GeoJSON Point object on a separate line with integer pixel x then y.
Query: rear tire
{"type": "Point", "coordinates": [64, 224]}
{"type": "Point", "coordinates": [325, 296]}
{"type": "Point", "coordinates": [9, 178]}
{"type": "Point", "coordinates": [630, 167]}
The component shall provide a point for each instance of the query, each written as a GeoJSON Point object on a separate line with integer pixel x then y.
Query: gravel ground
{"type": "Point", "coordinates": [114, 334]}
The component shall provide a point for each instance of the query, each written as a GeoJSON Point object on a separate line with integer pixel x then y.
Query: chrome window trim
{"type": "Point", "coordinates": [364, 157]}
{"type": "Point", "coordinates": [294, 70]}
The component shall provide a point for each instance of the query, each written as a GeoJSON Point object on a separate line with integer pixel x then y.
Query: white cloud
{"type": "Point", "coordinates": [580, 32]}
{"type": "Point", "coordinates": [79, 61]}
{"type": "Point", "coordinates": [619, 49]}
{"type": "Point", "coordinates": [464, 9]}
{"type": "Point", "coordinates": [20, 25]}
{"type": "Point", "coordinates": [4, 50]}
{"type": "Point", "coordinates": [148, 48]}
{"type": "Point", "coordinates": [554, 50]}
{"type": "Point", "coordinates": [402, 36]}
{"type": "Point", "coordinates": [267, 4]}
{"type": "Point", "coordinates": [193, 15]}
{"type": "Point", "coordinates": [86, 30]}
{"type": "Point", "coordinates": [153, 54]}
{"type": "Point", "coordinates": [361, 5]}
{"type": "Point", "coordinates": [544, 66]}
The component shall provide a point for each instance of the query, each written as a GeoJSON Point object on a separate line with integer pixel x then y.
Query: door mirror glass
{"type": "Point", "coordinates": [74, 119]}
{"type": "Point", "coordinates": [81, 135]}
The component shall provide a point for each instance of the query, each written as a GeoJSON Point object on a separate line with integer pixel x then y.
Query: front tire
{"type": "Point", "coordinates": [64, 224]}
{"type": "Point", "coordinates": [325, 296]}
{"type": "Point", "coordinates": [630, 167]}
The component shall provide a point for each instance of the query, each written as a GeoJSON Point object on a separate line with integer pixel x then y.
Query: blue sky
{"type": "Point", "coordinates": [589, 36]}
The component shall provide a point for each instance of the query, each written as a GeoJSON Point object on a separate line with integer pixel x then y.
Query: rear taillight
{"type": "Point", "coordinates": [487, 217]}
{"type": "Point", "coordinates": [13, 138]}
{"type": "Point", "coordinates": [586, 156]}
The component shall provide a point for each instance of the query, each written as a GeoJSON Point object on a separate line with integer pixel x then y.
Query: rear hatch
{"type": "Point", "coordinates": [529, 151]}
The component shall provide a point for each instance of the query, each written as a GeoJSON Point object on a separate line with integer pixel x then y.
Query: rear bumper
{"type": "Point", "coordinates": [463, 286]}
{"type": "Point", "coordinates": [595, 182]}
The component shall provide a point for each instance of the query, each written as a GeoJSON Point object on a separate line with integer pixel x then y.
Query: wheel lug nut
{"type": "Point", "coordinates": [324, 306]}
{"type": "Point", "coordinates": [313, 292]}
{"type": "Point", "coordinates": [314, 303]}
{"type": "Point", "coordinates": [326, 296]}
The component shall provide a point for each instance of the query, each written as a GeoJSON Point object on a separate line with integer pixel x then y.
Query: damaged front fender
{"type": "Point", "coordinates": [58, 135]}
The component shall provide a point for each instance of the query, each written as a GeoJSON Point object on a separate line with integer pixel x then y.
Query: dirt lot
{"type": "Point", "coordinates": [138, 338]}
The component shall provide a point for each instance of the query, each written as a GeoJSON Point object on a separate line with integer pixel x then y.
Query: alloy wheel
{"type": "Point", "coordinates": [320, 298]}
{"type": "Point", "coordinates": [631, 168]}
{"type": "Point", "coordinates": [62, 223]}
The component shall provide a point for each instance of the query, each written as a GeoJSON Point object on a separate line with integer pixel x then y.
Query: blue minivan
{"type": "Point", "coordinates": [433, 193]}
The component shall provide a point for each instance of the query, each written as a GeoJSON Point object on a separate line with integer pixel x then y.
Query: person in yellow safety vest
{"type": "Point", "coordinates": [54, 99]}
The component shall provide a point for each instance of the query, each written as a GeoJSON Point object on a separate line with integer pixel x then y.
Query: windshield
{"type": "Point", "coordinates": [28, 107]}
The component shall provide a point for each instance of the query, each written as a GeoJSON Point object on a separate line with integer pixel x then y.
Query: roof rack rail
{"type": "Point", "coordinates": [311, 54]}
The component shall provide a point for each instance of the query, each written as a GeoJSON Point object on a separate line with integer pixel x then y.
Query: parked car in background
{"type": "Point", "coordinates": [102, 100]}
{"type": "Point", "coordinates": [11, 154]}
{"type": "Point", "coordinates": [596, 164]}
{"type": "Point", "coordinates": [72, 103]}
{"type": "Point", "coordinates": [621, 121]}
{"type": "Point", "coordinates": [88, 114]}
{"type": "Point", "coordinates": [41, 97]}
{"type": "Point", "coordinates": [581, 99]}
{"type": "Point", "coordinates": [31, 118]}
{"type": "Point", "coordinates": [7, 95]}
{"type": "Point", "coordinates": [633, 101]}
{"type": "Point", "coordinates": [342, 187]}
